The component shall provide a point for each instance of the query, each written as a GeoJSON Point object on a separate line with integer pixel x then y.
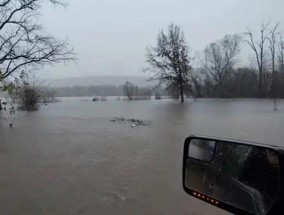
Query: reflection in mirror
{"type": "Point", "coordinates": [244, 176]}
{"type": "Point", "coordinates": [201, 149]}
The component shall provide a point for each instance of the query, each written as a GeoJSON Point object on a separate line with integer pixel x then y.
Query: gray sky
{"type": "Point", "coordinates": [110, 36]}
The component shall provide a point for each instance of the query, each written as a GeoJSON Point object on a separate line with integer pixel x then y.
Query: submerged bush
{"type": "Point", "coordinates": [28, 97]}
{"type": "Point", "coordinates": [96, 99]}
{"type": "Point", "coordinates": [28, 93]}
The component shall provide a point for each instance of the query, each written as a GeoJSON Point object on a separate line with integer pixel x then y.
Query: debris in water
{"type": "Point", "coordinates": [134, 122]}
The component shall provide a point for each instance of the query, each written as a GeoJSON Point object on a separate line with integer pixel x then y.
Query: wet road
{"type": "Point", "coordinates": [68, 158]}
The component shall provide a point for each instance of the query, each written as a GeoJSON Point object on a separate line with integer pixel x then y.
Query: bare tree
{"type": "Point", "coordinates": [281, 53]}
{"type": "Point", "coordinates": [220, 58]}
{"type": "Point", "coordinates": [24, 45]}
{"type": "Point", "coordinates": [280, 56]}
{"type": "Point", "coordinates": [197, 79]}
{"type": "Point", "coordinates": [128, 89]}
{"type": "Point", "coordinates": [169, 61]}
{"type": "Point", "coordinates": [258, 48]}
{"type": "Point", "coordinates": [272, 47]}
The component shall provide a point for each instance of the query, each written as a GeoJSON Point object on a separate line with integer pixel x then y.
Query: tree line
{"type": "Point", "coordinates": [130, 90]}
{"type": "Point", "coordinates": [217, 73]}
{"type": "Point", "coordinates": [135, 93]}
{"type": "Point", "coordinates": [102, 90]}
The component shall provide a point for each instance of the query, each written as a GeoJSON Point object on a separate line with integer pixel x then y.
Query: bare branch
{"type": "Point", "coordinates": [219, 58]}
{"type": "Point", "coordinates": [258, 48]}
{"type": "Point", "coordinates": [23, 43]}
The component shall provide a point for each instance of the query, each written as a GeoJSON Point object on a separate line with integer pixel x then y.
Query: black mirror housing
{"type": "Point", "coordinates": [211, 162]}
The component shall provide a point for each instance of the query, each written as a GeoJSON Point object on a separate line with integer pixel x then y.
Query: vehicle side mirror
{"type": "Point", "coordinates": [242, 178]}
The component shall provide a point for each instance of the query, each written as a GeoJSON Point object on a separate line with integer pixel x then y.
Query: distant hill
{"type": "Point", "coordinates": [100, 81]}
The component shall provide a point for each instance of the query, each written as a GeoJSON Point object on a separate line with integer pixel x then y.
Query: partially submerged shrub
{"type": "Point", "coordinates": [158, 96]}
{"type": "Point", "coordinates": [96, 99]}
{"type": "Point", "coordinates": [28, 93]}
{"type": "Point", "coordinates": [28, 97]}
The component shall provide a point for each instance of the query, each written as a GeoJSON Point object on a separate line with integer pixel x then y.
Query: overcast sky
{"type": "Point", "coordinates": [110, 36]}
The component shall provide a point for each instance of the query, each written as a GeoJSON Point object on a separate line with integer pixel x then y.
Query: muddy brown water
{"type": "Point", "coordinates": [69, 158]}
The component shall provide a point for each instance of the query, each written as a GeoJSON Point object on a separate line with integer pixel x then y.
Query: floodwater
{"type": "Point", "coordinates": [69, 158]}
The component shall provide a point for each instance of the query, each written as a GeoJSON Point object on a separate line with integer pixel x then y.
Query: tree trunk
{"type": "Point", "coordinates": [0, 105]}
{"type": "Point", "coordinates": [273, 85]}
{"type": "Point", "coordinates": [181, 91]}
{"type": "Point", "coordinates": [260, 80]}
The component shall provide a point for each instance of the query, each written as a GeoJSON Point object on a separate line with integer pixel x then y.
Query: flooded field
{"type": "Point", "coordinates": [69, 158]}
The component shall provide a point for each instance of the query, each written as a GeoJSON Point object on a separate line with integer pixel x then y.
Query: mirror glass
{"type": "Point", "coordinates": [201, 149]}
{"type": "Point", "coordinates": [244, 176]}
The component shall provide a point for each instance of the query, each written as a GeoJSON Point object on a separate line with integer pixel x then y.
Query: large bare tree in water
{"type": "Point", "coordinates": [24, 45]}
{"type": "Point", "coordinates": [281, 53]}
{"type": "Point", "coordinates": [219, 60]}
{"type": "Point", "coordinates": [169, 61]}
{"type": "Point", "coordinates": [272, 47]}
{"type": "Point", "coordinates": [258, 47]}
